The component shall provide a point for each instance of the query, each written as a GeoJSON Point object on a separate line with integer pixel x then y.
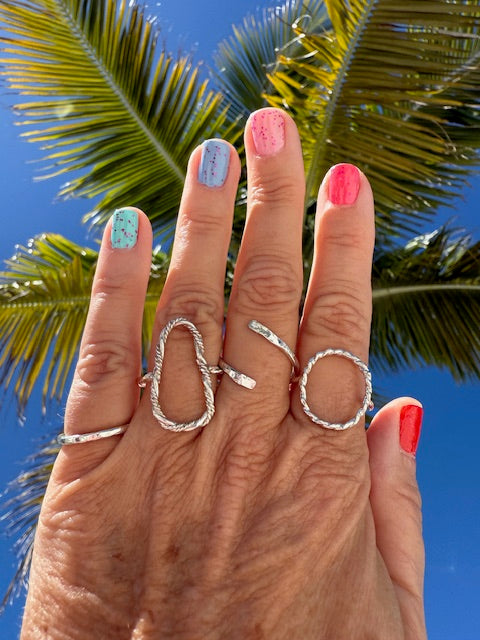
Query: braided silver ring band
{"type": "Point", "coordinates": [205, 371]}
{"type": "Point", "coordinates": [80, 438]}
{"type": "Point", "coordinates": [367, 400]}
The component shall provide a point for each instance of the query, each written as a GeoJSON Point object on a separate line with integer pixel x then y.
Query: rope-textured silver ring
{"type": "Point", "coordinates": [367, 400]}
{"type": "Point", "coordinates": [205, 371]}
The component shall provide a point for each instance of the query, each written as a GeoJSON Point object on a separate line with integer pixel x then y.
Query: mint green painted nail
{"type": "Point", "coordinates": [124, 229]}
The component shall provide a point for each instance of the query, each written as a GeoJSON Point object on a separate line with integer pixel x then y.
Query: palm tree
{"type": "Point", "coordinates": [393, 90]}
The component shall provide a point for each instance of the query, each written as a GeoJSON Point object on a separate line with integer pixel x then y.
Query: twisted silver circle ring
{"type": "Point", "coordinates": [367, 400]}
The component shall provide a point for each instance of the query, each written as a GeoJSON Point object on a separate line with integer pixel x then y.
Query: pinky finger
{"type": "Point", "coordinates": [396, 506]}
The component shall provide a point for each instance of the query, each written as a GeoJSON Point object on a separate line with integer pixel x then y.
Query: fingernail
{"type": "Point", "coordinates": [214, 163]}
{"type": "Point", "coordinates": [124, 229]}
{"type": "Point", "coordinates": [343, 184]}
{"type": "Point", "coordinates": [268, 131]}
{"type": "Point", "coordinates": [410, 426]}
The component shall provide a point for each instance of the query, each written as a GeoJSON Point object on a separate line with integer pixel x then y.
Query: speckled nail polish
{"type": "Point", "coordinates": [268, 131]}
{"type": "Point", "coordinates": [214, 162]}
{"type": "Point", "coordinates": [124, 229]}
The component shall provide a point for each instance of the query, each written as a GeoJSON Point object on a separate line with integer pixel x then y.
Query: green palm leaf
{"type": "Point", "coordinates": [112, 108]}
{"type": "Point", "coordinates": [394, 89]}
{"type": "Point", "coordinates": [427, 305]}
{"type": "Point", "coordinates": [44, 297]}
{"type": "Point", "coordinates": [243, 60]}
{"type": "Point", "coordinates": [21, 510]}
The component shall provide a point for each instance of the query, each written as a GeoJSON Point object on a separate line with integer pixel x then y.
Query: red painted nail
{"type": "Point", "coordinates": [410, 426]}
{"type": "Point", "coordinates": [344, 184]}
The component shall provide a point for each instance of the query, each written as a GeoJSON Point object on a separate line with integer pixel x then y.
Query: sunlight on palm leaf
{"type": "Point", "coordinates": [121, 114]}
{"type": "Point", "coordinates": [426, 302]}
{"type": "Point", "coordinates": [44, 297]}
{"type": "Point", "coordinates": [244, 59]}
{"type": "Point", "coordinates": [394, 89]}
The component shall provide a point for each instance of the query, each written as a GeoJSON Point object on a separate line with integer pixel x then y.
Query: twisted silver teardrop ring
{"type": "Point", "coordinates": [206, 371]}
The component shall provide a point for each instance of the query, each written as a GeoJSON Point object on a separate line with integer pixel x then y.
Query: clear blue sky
{"type": "Point", "coordinates": [448, 468]}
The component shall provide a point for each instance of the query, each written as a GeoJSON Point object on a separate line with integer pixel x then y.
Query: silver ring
{"type": "Point", "coordinates": [239, 378]}
{"type": "Point", "coordinates": [80, 438]}
{"type": "Point", "coordinates": [205, 371]}
{"type": "Point", "coordinates": [272, 337]}
{"type": "Point", "coordinates": [367, 400]}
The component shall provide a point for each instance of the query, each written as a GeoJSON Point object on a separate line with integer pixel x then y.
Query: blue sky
{"type": "Point", "coordinates": [448, 468]}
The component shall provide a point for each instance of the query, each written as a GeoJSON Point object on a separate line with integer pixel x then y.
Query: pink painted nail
{"type": "Point", "coordinates": [344, 184]}
{"type": "Point", "coordinates": [410, 426]}
{"type": "Point", "coordinates": [268, 131]}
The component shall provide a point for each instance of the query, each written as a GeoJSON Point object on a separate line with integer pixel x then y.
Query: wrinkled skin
{"type": "Point", "coordinates": [262, 524]}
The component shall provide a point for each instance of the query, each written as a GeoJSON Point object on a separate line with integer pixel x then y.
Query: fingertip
{"type": "Point", "coordinates": [396, 428]}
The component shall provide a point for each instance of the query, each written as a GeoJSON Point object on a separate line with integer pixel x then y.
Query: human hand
{"type": "Point", "coordinates": [262, 524]}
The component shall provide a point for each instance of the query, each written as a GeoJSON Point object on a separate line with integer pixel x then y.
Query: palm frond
{"type": "Point", "coordinates": [44, 298]}
{"type": "Point", "coordinates": [394, 89]}
{"type": "Point", "coordinates": [21, 510]}
{"type": "Point", "coordinates": [244, 60]}
{"type": "Point", "coordinates": [112, 107]}
{"type": "Point", "coordinates": [426, 303]}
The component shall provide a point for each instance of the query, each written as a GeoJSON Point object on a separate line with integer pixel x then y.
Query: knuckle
{"type": "Point", "coordinates": [243, 459]}
{"type": "Point", "coordinates": [105, 357]}
{"type": "Point", "coordinates": [345, 467]}
{"type": "Point", "coordinates": [345, 316]}
{"type": "Point", "coordinates": [276, 188]}
{"type": "Point", "coordinates": [269, 282]}
{"type": "Point", "coordinates": [202, 221]}
{"type": "Point", "coordinates": [197, 303]}
{"type": "Point", "coordinates": [341, 234]}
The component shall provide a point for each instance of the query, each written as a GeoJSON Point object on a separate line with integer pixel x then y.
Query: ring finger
{"type": "Point", "coordinates": [337, 311]}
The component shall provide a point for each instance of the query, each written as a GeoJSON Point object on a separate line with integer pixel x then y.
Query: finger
{"type": "Point", "coordinates": [194, 288]}
{"type": "Point", "coordinates": [396, 505]}
{"type": "Point", "coordinates": [104, 392]}
{"type": "Point", "coordinates": [268, 276]}
{"type": "Point", "coordinates": [337, 311]}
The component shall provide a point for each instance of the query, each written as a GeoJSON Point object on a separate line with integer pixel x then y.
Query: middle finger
{"type": "Point", "coordinates": [268, 277]}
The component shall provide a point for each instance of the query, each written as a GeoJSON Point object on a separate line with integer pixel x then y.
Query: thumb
{"type": "Point", "coordinates": [396, 505]}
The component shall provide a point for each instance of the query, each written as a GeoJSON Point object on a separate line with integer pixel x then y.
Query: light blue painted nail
{"type": "Point", "coordinates": [124, 229]}
{"type": "Point", "coordinates": [214, 163]}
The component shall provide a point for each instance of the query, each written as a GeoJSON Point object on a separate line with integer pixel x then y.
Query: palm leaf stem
{"type": "Point", "coordinates": [341, 73]}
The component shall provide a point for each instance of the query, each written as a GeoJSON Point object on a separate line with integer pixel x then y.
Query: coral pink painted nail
{"type": "Point", "coordinates": [410, 426]}
{"type": "Point", "coordinates": [343, 184]}
{"type": "Point", "coordinates": [268, 131]}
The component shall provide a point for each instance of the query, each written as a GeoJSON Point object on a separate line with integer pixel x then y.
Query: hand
{"type": "Point", "coordinates": [262, 524]}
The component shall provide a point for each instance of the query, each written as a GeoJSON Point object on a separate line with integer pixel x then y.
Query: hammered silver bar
{"type": "Point", "coordinates": [272, 337]}
{"type": "Point", "coordinates": [237, 377]}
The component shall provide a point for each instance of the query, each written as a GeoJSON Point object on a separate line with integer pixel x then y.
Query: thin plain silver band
{"type": "Point", "coordinates": [80, 438]}
{"type": "Point", "coordinates": [272, 337]}
{"type": "Point", "coordinates": [367, 400]}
